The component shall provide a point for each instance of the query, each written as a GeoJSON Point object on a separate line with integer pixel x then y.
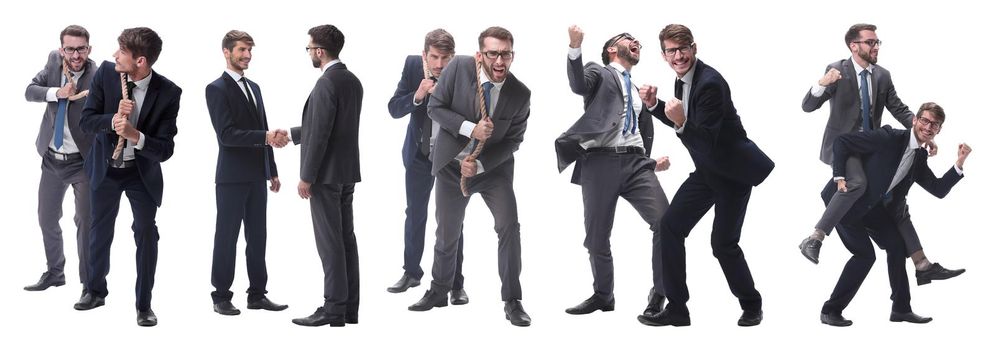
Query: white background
{"type": "Point", "coordinates": [769, 52]}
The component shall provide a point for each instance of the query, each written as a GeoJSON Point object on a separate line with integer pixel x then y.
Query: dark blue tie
{"type": "Point", "coordinates": [60, 123]}
{"type": "Point", "coordinates": [865, 102]}
{"type": "Point", "coordinates": [629, 118]}
{"type": "Point", "coordinates": [487, 96]}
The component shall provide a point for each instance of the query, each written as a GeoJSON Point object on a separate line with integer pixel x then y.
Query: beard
{"type": "Point", "coordinates": [625, 54]}
{"type": "Point", "coordinates": [866, 55]}
{"type": "Point", "coordinates": [315, 62]}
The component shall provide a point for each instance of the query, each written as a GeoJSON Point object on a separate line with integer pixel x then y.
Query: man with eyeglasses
{"type": "Point", "coordinates": [329, 139]}
{"type": "Point", "coordinates": [727, 167]}
{"type": "Point", "coordinates": [893, 160]}
{"type": "Point", "coordinates": [610, 144]}
{"type": "Point", "coordinates": [418, 82]}
{"type": "Point", "coordinates": [62, 146]}
{"type": "Point", "coordinates": [858, 91]}
{"type": "Point", "coordinates": [456, 106]}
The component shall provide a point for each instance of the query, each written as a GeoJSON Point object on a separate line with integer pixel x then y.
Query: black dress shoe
{"type": "Point", "coordinates": [265, 304]}
{"type": "Point", "coordinates": [321, 318]}
{"type": "Point", "coordinates": [147, 318]}
{"type": "Point", "coordinates": [47, 280]}
{"type": "Point", "coordinates": [665, 318]}
{"type": "Point", "coordinates": [428, 301]}
{"type": "Point", "coordinates": [909, 317]}
{"type": "Point", "coordinates": [514, 312]}
{"type": "Point", "coordinates": [936, 272]}
{"type": "Point", "coordinates": [751, 318]}
{"type": "Point", "coordinates": [835, 320]}
{"type": "Point", "coordinates": [89, 301]}
{"type": "Point", "coordinates": [655, 303]}
{"type": "Point", "coordinates": [403, 284]}
{"type": "Point", "coordinates": [458, 297]}
{"type": "Point", "coordinates": [226, 308]}
{"type": "Point", "coordinates": [592, 304]}
{"type": "Point", "coordinates": [810, 249]}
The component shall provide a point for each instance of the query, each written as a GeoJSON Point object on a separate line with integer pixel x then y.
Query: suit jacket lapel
{"type": "Point", "coordinates": [149, 102]}
{"type": "Point", "coordinates": [875, 78]}
{"type": "Point", "coordinates": [853, 81]}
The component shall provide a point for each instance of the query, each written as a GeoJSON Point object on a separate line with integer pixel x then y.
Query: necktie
{"type": "Point", "coordinates": [629, 117]}
{"type": "Point", "coordinates": [248, 95]}
{"type": "Point", "coordinates": [131, 96]}
{"type": "Point", "coordinates": [426, 129]}
{"type": "Point", "coordinates": [487, 95]}
{"type": "Point", "coordinates": [60, 122]}
{"type": "Point", "coordinates": [865, 102]}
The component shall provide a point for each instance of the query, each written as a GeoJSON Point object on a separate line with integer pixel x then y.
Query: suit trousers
{"type": "Point", "coordinates": [418, 182]}
{"type": "Point", "coordinates": [105, 201]}
{"type": "Point", "coordinates": [840, 204]}
{"type": "Point", "coordinates": [335, 238]}
{"type": "Point", "coordinates": [56, 177]}
{"type": "Point", "coordinates": [495, 187]}
{"type": "Point", "coordinates": [693, 199]}
{"type": "Point", "coordinates": [237, 202]}
{"type": "Point", "coordinates": [604, 178]}
{"type": "Point", "coordinates": [857, 238]}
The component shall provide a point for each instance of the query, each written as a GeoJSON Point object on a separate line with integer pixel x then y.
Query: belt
{"type": "Point", "coordinates": [64, 156]}
{"type": "Point", "coordinates": [617, 149]}
{"type": "Point", "coordinates": [124, 165]}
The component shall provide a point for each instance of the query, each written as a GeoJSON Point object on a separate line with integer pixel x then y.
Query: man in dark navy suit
{"type": "Point", "coordinates": [411, 97]}
{"type": "Point", "coordinates": [727, 166]}
{"type": "Point", "coordinates": [146, 121]}
{"type": "Point", "coordinates": [893, 160]}
{"type": "Point", "coordinates": [245, 163]}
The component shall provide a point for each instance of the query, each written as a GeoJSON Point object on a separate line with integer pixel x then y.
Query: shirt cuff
{"type": "Point", "coordinates": [653, 107]}
{"type": "Point", "coordinates": [415, 101]}
{"type": "Point", "coordinates": [573, 53]}
{"type": "Point", "coordinates": [466, 129]}
{"type": "Point", "coordinates": [141, 141]}
{"type": "Point", "coordinates": [480, 167]}
{"type": "Point", "coordinates": [51, 96]}
{"type": "Point", "coordinates": [817, 90]}
{"type": "Point", "coordinates": [838, 178]}
{"type": "Point", "coordinates": [680, 130]}
{"type": "Point", "coordinates": [958, 170]}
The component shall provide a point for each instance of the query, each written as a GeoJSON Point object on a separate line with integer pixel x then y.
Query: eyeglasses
{"type": "Point", "coordinates": [309, 48]}
{"type": "Point", "coordinates": [614, 40]}
{"type": "Point", "coordinates": [506, 55]}
{"type": "Point", "coordinates": [869, 42]}
{"type": "Point", "coordinates": [82, 50]}
{"type": "Point", "coordinates": [670, 52]}
{"type": "Point", "coordinates": [929, 124]}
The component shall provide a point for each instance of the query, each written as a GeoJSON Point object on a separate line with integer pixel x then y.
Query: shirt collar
{"type": "Point", "coordinates": [144, 83]}
{"type": "Point", "coordinates": [234, 75]}
{"type": "Point", "coordinates": [619, 67]}
{"type": "Point", "coordinates": [913, 142]}
{"type": "Point", "coordinates": [857, 68]}
{"type": "Point", "coordinates": [484, 79]}
{"type": "Point", "coordinates": [689, 77]}
{"type": "Point", "coordinates": [329, 64]}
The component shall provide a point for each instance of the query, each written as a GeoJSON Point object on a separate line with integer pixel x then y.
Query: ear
{"type": "Point", "coordinates": [479, 56]}
{"type": "Point", "coordinates": [226, 53]}
{"type": "Point", "coordinates": [142, 61]}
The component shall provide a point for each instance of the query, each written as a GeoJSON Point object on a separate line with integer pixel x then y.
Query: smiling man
{"type": "Point", "coordinates": [456, 107]}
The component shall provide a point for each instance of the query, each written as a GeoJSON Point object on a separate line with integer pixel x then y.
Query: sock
{"type": "Point", "coordinates": [920, 260]}
{"type": "Point", "coordinates": [818, 235]}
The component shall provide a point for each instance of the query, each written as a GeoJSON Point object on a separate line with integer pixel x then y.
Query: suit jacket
{"type": "Point", "coordinates": [455, 100]}
{"type": "Point", "coordinates": [157, 120]}
{"type": "Point", "coordinates": [329, 131]}
{"type": "Point", "coordinates": [47, 78]}
{"type": "Point", "coordinates": [243, 155]}
{"type": "Point", "coordinates": [402, 104]}
{"type": "Point", "coordinates": [713, 132]}
{"type": "Point", "coordinates": [603, 106]}
{"type": "Point", "coordinates": [844, 104]}
{"type": "Point", "coordinates": [881, 151]}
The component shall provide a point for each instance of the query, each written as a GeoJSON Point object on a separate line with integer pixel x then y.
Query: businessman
{"type": "Point", "coordinates": [610, 144]}
{"type": "Point", "coordinates": [727, 167]}
{"type": "Point", "coordinates": [893, 160]}
{"type": "Point", "coordinates": [858, 91]}
{"type": "Point", "coordinates": [62, 146]}
{"type": "Point", "coordinates": [464, 122]}
{"type": "Point", "coordinates": [245, 163]}
{"type": "Point", "coordinates": [146, 121]}
{"type": "Point", "coordinates": [417, 83]}
{"type": "Point", "coordinates": [329, 140]}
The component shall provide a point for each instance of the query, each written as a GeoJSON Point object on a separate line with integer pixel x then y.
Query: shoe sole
{"type": "Point", "coordinates": [922, 281]}
{"type": "Point", "coordinates": [442, 304]}
{"type": "Point", "coordinates": [519, 324]}
{"type": "Point", "coordinates": [457, 302]}
{"type": "Point", "coordinates": [651, 323]}
{"type": "Point", "coordinates": [37, 289]}
{"type": "Point", "coordinates": [83, 308]}
{"type": "Point", "coordinates": [399, 290]}
{"type": "Point", "coordinates": [582, 312]}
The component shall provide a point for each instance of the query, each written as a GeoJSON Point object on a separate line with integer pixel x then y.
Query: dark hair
{"type": "Point", "coordinates": [141, 41]}
{"type": "Point", "coordinates": [676, 32]}
{"type": "Point", "coordinates": [235, 36]}
{"type": "Point", "coordinates": [441, 40]}
{"type": "Point", "coordinates": [854, 32]}
{"type": "Point", "coordinates": [933, 108]}
{"type": "Point", "coordinates": [74, 30]}
{"type": "Point", "coordinates": [604, 49]}
{"type": "Point", "coordinates": [328, 37]}
{"type": "Point", "coordinates": [496, 33]}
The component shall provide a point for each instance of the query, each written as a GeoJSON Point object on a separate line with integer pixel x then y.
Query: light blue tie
{"type": "Point", "coordinates": [60, 122]}
{"type": "Point", "coordinates": [487, 96]}
{"type": "Point", "coordinates": [629, 118]}
{"type": "Point", "coordinates": [865, 101]}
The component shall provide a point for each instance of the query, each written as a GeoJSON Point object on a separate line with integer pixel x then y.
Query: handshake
{"type": "Point", "coordinates": [277, 138]}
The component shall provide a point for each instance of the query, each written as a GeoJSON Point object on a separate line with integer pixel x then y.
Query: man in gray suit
{"type": "Point", "coordinates": [329, 139]}
{"type": "Point", "coordinates": [456, 108]}
{"type": "Point", "coordinates": [62, 146]}
{"type": "Point", "coordinates": [858, 91]}
{"type": "Point", "coordinates": [611, 143]}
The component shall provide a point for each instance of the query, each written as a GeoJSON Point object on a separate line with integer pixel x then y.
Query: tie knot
{"type": "Point", "coordinates": [242, 80]}
{"type": "Point", "coordinates": [625, 73]}
{"type": "Point", "coordinates": [488, 85]}
{"type": "Point", "coordinates": [864, 73]}
{"type": "Point", "coordinates": [131, 85]}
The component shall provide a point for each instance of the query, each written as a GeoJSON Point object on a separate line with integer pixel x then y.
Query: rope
{"type": "Point", "coordinates": [69, 78]}
{"type": "Point", "coordinates": [480, 145]}
{"type": "Point", "coordinates": [121, 139]}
